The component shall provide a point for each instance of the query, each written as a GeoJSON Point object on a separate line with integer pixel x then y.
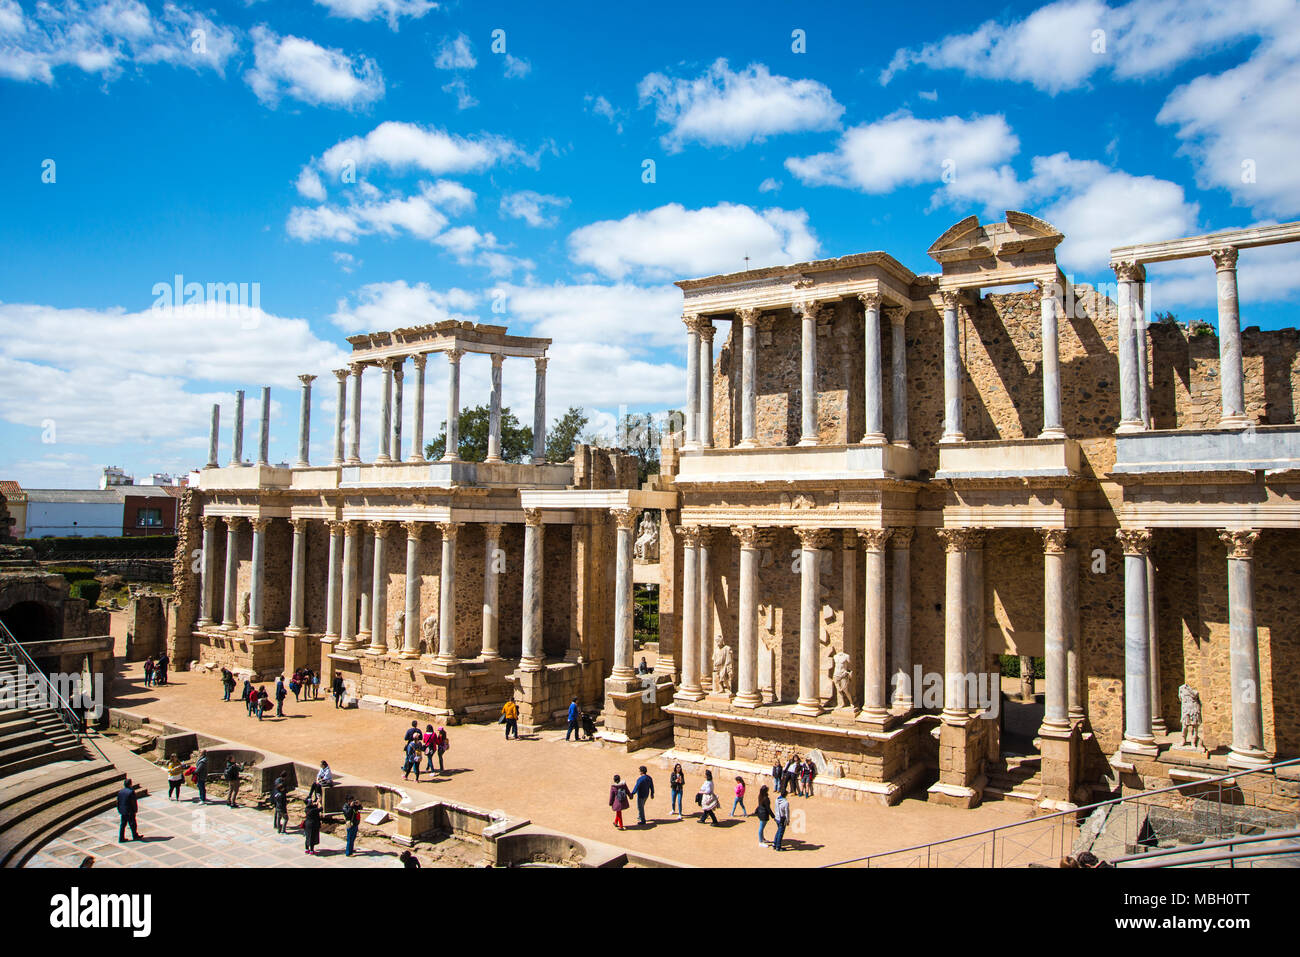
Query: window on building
{"type": "Point", "coordinates": [149, 518]}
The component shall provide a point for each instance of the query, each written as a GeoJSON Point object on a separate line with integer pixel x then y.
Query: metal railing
{"type": "Point", "coordinates": [1213, 810]}
{"type": "Point", "coordinates": [46, 693]}
{"type": "Point", "coordinates": [1196, 855]}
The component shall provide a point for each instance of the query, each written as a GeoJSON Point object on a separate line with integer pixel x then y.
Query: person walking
{"type": "Point", "coordinates": [430, 745]}
{"type": "Point", "coordinates": [442, 744]}
{"type": "Point", "coordinates": [311, 826]}
{"type": "Point", "coordinates": [739, 801]}
{"type": "Point", "coordinates": [127, 806]}
{"type": "Point", "coordinates": [707, 800]}
{"type": "Point", "coordinates": [227, 683]}
{"type": "Point", "coordinates": [280, 695]}
{"type": "Point", "coordinates": [280, 801]}
{"type": "Point", "coordinates": [644, 789]}
{"type": "Point", "coordinates": [324, 778]}
{"type": "Point", "coordinates": [618, 800]}
{"type": "Point", "coordinates": [160, 673]}
{"type": "Point", "coordinates": [352, 818]}
{"type": "Point", "coordinates": [250, 699]}
{"type": "Point", "coordinates": [263, 702]}
{"type": "Point", "coordinates": [782, 819]}
{"type": "Point", "coordinates": [510, 718]}
{"type": "Point", "coordinates": [412, 732]}
{"type": "Point", "coordinates": [315, 684]}
{"type": "Point", "coordinates": [574, 728]}
{"type": "Point", "coordinates": [676, 787]}
{"type": "Point", "coordinates": [337, 689]}
{"type": "Point", "coordinates": [201, 776]}
{"type": "Point", "coordinates": [232, 783]}
{"type": "Point", "coordinates": [413, 748]}
{"type": "Point", "coordinates": [244, 693]}
{"type": "Point", "coordinates": [175, 778]}
{"type": "Point", "coordinates": [763, 811]}
{"type": "Point", "coordinates": [148, 671]}
{"type": "Point", "coordinates": [295, 685]}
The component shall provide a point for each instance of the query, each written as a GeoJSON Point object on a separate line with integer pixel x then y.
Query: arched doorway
{"type": "Point", "coordinates": [31, 621]}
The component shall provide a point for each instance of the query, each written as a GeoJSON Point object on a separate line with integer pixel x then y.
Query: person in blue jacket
{"type": "Point", "coordinates": [575, 728]}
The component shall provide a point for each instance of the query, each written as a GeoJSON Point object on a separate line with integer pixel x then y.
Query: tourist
{"type": "Point", "coordinates": [791, 777]}
{"type": "Point", "coordinates": [337, 689]}
{"type": "Point", "coordinates": [409, 860]}
{"type": "Point", "coordinates": [644, 789]}
{"type": "Point", "coordinates": [351, 818]}
{"type": "Point", "coordinates": [127, 806]}
{"type": "Point", "coordinates": [245, 694]}
{"type": "Point", "coordinates": [201, 776]}
{"type": "Point", "coordinates": [413, 748]}
{"type": "Point", "coordinates": [280, 801]}
{"type": "Point", "coordinates": [175, 777]}
{"type": "Point", "coordinates": [315, 683]}
{"type": "Point", "coordinates": [295, 685]}
{"type": "Point", "coordinates": [643, 668]}
{"type": "Point", "coordinates": [250, 698]}
{"type": "Point", "coordinates": [739, 801]}
{"type": "Point", "coordinates": [763, 811]}
{"type": "Point", "coordinates": [782, 819]}
{"type": "Point", "coordinates": [311, 826]}
{"type": "Point", "coordinates": [510, 718]}
{"type": "Point", "coordinates": [442, 744]}
{"type": "Point", "coordinates": [574, 728]}
{"type": "Point", "coordinates": [148, 671]}
{"type": "Point", "coordinates": [160, 674]}
{"type": "Point", "coordinates": [232, 783]}
{"type": "Point", "coordinates": [707, 800]}
{"type": "Point", "coordinates": [324, 779]}
{"type": "Point", "coordinates": [677, 787]}
{"type": "Point", "coordinates": [618, 800]}
{"type": "Point", "coordinates": [263, 702]}
{"type": "Point", "coordinates": [280, 695]}
{"type": "Point", "coordinates": [809, 773]}
{"type": "Point", "coordinates": [430, 745]}
{"type": "Point", "coordinates": [227, 683]}
{"type": "Point", "coordinates": [778, 771]}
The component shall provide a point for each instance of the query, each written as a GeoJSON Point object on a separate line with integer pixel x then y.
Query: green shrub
{"type": "Point", "coordinates": [1011, 666]}
{"type": "Point", "coordinates": [86, 588]}
{"type": "Point", "coordinates": [72, 573]}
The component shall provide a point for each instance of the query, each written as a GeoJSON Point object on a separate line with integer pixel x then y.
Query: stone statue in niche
{"type": "Point", "coordinates": [429, 634]}
{"type": "Point", "coordinates": [245, 609]}
{"type": "Point", "coordinates": [397, 636]}
{"type": "Point", "coordinates": [723, 666]}
{"type": "Point", "coordinates": [1190, 703]}
{"type": "Point", "coordinates": [842, 678]}
{"type": "Point", "coordinates": [646, 548]}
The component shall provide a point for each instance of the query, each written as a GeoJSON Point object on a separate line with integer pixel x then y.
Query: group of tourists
{"type": "Point", "coordinates": [257, 700]}
{"type": "Point", "coordinates": [793, 775]}
{"type": "Point", "coordinates": [305, 685]}
{"type": "Point", "coordinates": [155, 670]}
{"type": "Point", "coordinates": [429, 743]}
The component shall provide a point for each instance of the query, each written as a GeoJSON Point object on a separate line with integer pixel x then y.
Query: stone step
{"type": "Point", "coordinates": [25, 838]}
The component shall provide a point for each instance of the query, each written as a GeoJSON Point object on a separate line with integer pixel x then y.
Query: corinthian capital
{"type": "Point", "coordinates": [1055, 540]}
{"type": "Point", "coordinates": [1135, 541]}
{"type": "Point", "coordinates": [869, 300]}
{"type": "Point", "coordinates": [1225, 257]}
{"type": "Point", "coordinates": [748, 317]}
{"type": "Point", "coordinates": [689, 534]}
{"type": "Point", "coordinates": [1128, 270]}
{"type": "Point", "coordinates": [1240, 542]}
{"type": "Point", "coordinates": [951, 298]}
{"type": "Point", "coordinates": [625, 518]}
{"type": "Point", "coordinates": [814, 538]}
{"type": "Point", "coordinates": [875, 539]}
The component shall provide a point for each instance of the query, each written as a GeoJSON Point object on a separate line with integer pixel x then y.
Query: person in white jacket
{"type": "Point", "coordinates": [708, 800]}
{"type": "Point", "coordinates": [324, 778]}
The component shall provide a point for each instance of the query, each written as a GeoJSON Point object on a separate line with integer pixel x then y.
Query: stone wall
{"type": "Point", "coordinates": [185, 580]}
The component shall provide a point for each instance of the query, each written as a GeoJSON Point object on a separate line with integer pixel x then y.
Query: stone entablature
{"type": "Point", "coordinates": [444, 336]}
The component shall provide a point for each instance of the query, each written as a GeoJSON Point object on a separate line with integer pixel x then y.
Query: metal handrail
{"type": "Point", "coordinates": [1212, 846]}
{"type": "Point", "coordinates": [1084, 810]}
{"type": "Point", "coordinates": [62, 708]}
{"type": "Point", "coordinates": [1231, 856]}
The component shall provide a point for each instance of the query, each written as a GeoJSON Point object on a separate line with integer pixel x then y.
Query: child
{"type": "Point", "coordinates": [739, 802]}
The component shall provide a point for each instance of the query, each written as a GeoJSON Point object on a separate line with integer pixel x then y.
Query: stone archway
{"type": "Point", "coordinates": [32, 621]}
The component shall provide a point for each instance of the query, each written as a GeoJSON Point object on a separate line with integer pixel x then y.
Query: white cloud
{"type": "Point", "coordinates": [346, 261]}
{"type": "Point", "coordinates": [531, 206]}
{"type": "Point", "coordinates": [769, 185]}
{"type": "Point", "coordinates": [401, 147]}
{"type": "Point", "coordinates": [516, 67]}
{"type": "Point", "coordinates": [464, 99]}
{"type": "Point", "coordinates": [602, 107]}
{"type": "Point", "coordinates": [623, 314]}
{"type": "Point", "coordinates": [392, 305]}
{"type": "Point", "coordinates": [456, 54]}
{"type": "Point", "coordinates": [723, 107]}
{"type": "Point", "coordinates": [673, 241]}
{"type": "Point", "coordinates": [300, 69]}
{"type": "Point", "coordinates": [309, 184]}
{"type": "Point", "coordinates": [390, 10]}
{"type": "Point", "coordinates": [423, 214]}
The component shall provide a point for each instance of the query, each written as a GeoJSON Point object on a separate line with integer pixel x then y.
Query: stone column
{"type": "Point", "coordinates": [811, 543]}
{"type": "Point", "coordinates": [237, 435]}
{"type": "Point", "coordinates": [494, 411]}
{"type": "Point", "coordinates": [747, 695]}
{"type": "Point", "coordinates": [1052, 429]}
{"type": "Point", "coordinates": [539, 411]}
{"type": "Point", "coordinates": [807, 311]}
{"type": "Point", "coordinates": [748, 378]}
{"type": "Point", "coordinates": [874, 397]}
{"type": "Point", "coordinates": [365, 580]}
{"type": "Point", "coordinates": [386, 414]}
{"type": "Point", "coordinates": [264, 446]}
{"type": "Point", "coordinates": [340, 414]}
{"type": "Point", "coordinates": [452, 452]}
{"type": "Point", "coordinates": [208, 570]}
{"type": "Point", "coordinates": [411, 635]}
{"type": "Point", "coordinates": [1138, 739]}
{"type": "Point", "coordinates": [230, 594]}
{"type": "Point", "coordinates": [703, 563]}
{"type": "Point", "coordinates": [901, 620]}
{"type": "Point", "coordinates": [1074, 658]}
{"type": "Point", "coordinates": [491, 544]}
{"type": "Point", "coordinates": [417, 435]}
{"type": "Point", "coordinates": [304, 422]}
{"type": "Point", "coordinates": [348, 598]}
{"type": "Point", "coordinates": [354, 440]}
{"type": "Point", "coordinates": [1140, 325]}
{"type": "Point", "coordinates": [1247, 716]}
{"type": "Point", "coordinates": [875, 696]}
{"type": "Point", "coordinates": [976, 639]}
{"type": "Point", "coordinates": [693, 324]}
{"type": "Point", "coordinates": [898, 364]}
{"type": "Point", "coordinates": [1056, 713]}
{"type": "Point", "coordinates": [1230, 370]}
{"type": "Point", "coordinates": [690, 689]}
{"type": "Point", "coordinates": [214, 436]}
{"type": "Point", "coordinates": [952, 369]}
{"type": "Point", "coordinates": [379, 592]}
{"type": "Point", "coordinates": [625, 519]}
{"type": "Point", "coordinates": [533, 653]}
{"type": "Point", "coordinates": [706, 384]}
{"type": "Point", "coordinates": [1129, 274]}
{"type": "Point", "coordinates": [956, 541]}
{"type": "Point", "coordinates": [298, 577]}
{"type": "Point", "coordinates": [852, 639]}
{"type": "Point", "coordinates": [257, 586]}
{"type": "Point", "coordinates": [1153, 645]}
{"type": "Point", "coordinates": [395, 452]}
{"type": "Point", "coordinates": [334, 586]}
{"type": "Point", "coordinates": [447, 596]}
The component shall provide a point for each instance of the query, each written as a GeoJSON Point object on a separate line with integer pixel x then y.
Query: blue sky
{"type": "Point", "coordinates": [367, 164]}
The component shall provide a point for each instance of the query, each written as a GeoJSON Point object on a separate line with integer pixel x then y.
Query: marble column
{"type": "Point", "coordinates": [705, 432]}
{"type": "Point", "coordinates": [852, 639]}
{"type": "Point", "coordinates": [452, 452]}
{"type": "Point", "coordinates": [257, 578]}
{"type": "Point", "coordinates": [386, 414]}
{"type": "Point", "coordinates": [1136, 543]}
{"type": "Point", "coordinates": [304, 422]}
{"type": "Point", "coordinates": [1050, 335]}
{"type": "Point", "coordinates": [952, 369]}
{"type": "Point", "coordinates": [237, 433]}
{"type": "Point", "coordinates": [693, 324]}
{"type": "Point", "coordinates": [873, 368]}
{"type": "Point", "coordinates": [1073, 653]}
{"type": "Point", "coordinates": [447, 595]}
{"type": "Point", "coordinates": [1153, 645]}
{"type": "Point", "coordinates": [625, 520]}
{"type": "Point", "coordinates": [747, 695]}
{"type": "Point", "coordinates": [334, 583]}
{"type": "Point", "coordinates": [1129, 274]}
{"type": "Point", "coordinates": [348, 596]}
{"type": "Point", "coordinates": [340, 414]}
{"type": "Point", "coordinates": [354, 440]}
{"type": "Point", "coordinates": [956, 707]}
{"type": "Point", "coordinates": [1230, 368]}
{"type": "Point", "coordinates": [690, 689]}
{"type": "Point", "coordinates": [898, 373]}
{"type": "Point", "coordinates": [379, 592]}
{"type": "Point", "coordinates": [214, 436]}
{"type": "Point", "coordinates": [230, 593]}
{"type": "Point", "coordinates": [1140, 348]}
{"type": "Point", "coordinates": [875, 695]}
{"type": "Point", "coordinates": [298, 577]}
{"type": "Point", "coordinates": [411, 583]}
{"type": "Point", "coordinates": [539, 411]}
{"type": "Point", "coordinates": [808, 314]}
{"type": "Point", "coordinates": [976, 640]}
{"type": "Point", "coordinates": [1056, 713]}
{"type": "Point", "coordinates": [811, 543]}
{"type": "Point", "coordinates": [900, 624]}
{"type": "Point", "coordinates": [365, 582]}
{"type": "Point", "coordinates": [417, 433]}
{"type": "Point", "coordinates": [533, 653]}
{"type": "Point", "coordinates": [264, 446]}
{"type": "Point", "coordinates": [1243, 652]}
{"type": "Point", "coordinates": [704, 637]}
{"type": "Point", "coordinates": [491, 589]}
{"type": "Point", "coordinates": [494, 411]}
{"type": "Point", "coordinates": [748, 378]}
{"type": "Point", "coordinates": [395, 451]}
{"type": "Point", "coordinates": [208, 570]}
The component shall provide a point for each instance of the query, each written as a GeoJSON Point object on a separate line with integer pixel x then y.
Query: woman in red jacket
{"type": "Point", "coordinates": [618, 800]}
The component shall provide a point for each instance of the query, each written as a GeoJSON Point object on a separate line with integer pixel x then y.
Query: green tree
{"type": "Point", "coordinates": [516, 440]}
{"type": "Point", "coordinates": [640, 434]}
{"type": "Point", "coordinates": [563, 434]}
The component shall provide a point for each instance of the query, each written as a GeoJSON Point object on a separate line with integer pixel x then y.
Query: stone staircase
{"type": "Point", "coordinates": [1014, 779]}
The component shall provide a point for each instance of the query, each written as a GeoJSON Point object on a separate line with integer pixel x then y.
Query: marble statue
{"type": "Point", "coordinates": [842, 678]}
{"type": "Point", "coordinates": [723, 666]}
{"type": "Point", "coordinates": [245, 608]}
{"type": "Point", "coordinates": [429, 634]}
{"type": "Point", "coordinates": [646, 547]}
{"type": "Point", "coordinates": [1191, 717]}
{"type": "Point", "coordinates": [397, 636]}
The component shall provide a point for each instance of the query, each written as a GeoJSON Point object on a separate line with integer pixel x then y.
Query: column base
{"type": "Point", "coordinates": [344, 645]}
{"type": "Point", "coordinates": [377, 651]}
{"type": "Point", "coordinates": [204, 623]}
{"type": "Point", "coordinates": [747, 444]}
{"type": "Point", "coordinates": [492, 458]}
{"type": "Point", "coordinates": [874, 438]}
{"type": "Point", "coordinates": [752, 700]}
{"type": "Point", "coordinates": [901, 444]}
{"type": "Point", "coordinates": [1158, 726]}
{"type": "Point", "coordinates": [538, 460]}
{"type": "Point", "coordinates": [416, 458]}
{"type": "Point", "coordinates": [620, 673]}
{"type": "Point", "coordinates": [352, 460]}
{"type": "Point", "coordinates": [406, 655]}
{"type": "Point", "coordinates": [294, 631]}
{"type": "Point", "coordinates": [807, 442]}
{"type": "Point", "coordinates": [486, 655]}
{"type": "Point", "coordinates": [902, 704]}
{"type": "Point", "coordinates": [253, 631]}
{"type": "Point", "coordinates": [689, 694]}
{"type": "Point", "coordinates": [450, 458]}
{"type": "Point", "coordinates": [1247, 758]}
{"type": "Point", "coordinates": [1140, 747]}
{"type": "Point", "coordinates": [1235, 422]}
{"type": "Point", "coordinates": [383, 459]}
{"type": "Point", "coordinates": [809, 708]}
{"type": "Point", "coordinates": [1056, 433]}
{"type": "Point", "coordinates": [444, 664]}
{"type": "Point", "coordinates": [879, 717]}
{"type": "Point", "coordinates": [953, 437]}
{"type": "Point", "coordinates": [1129, 426]}
{"type": "Point", "coordinates": [531, 664]}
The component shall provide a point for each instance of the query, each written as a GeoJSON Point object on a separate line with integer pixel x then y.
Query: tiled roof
{"type": "Point", "coordinates": [10, 488]}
